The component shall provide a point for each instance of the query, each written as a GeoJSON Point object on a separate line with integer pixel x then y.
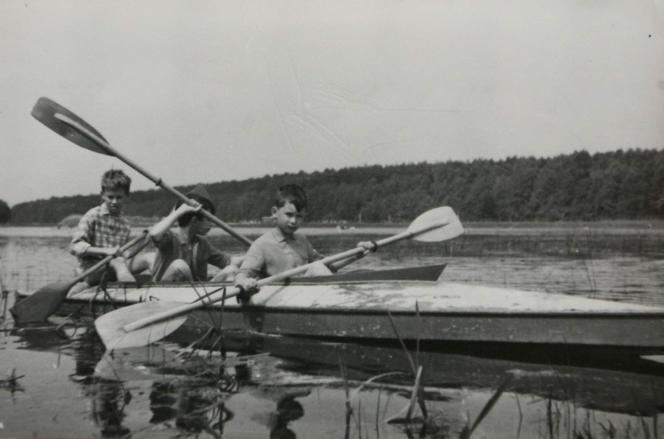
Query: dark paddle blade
{"type": "Point", "coordinates": [41, 304]}
{"type": "Point", "coordinates": [110, 325]}
{"type": "Point", "coordinates": [45, 111]}
{"type": "Point", "coordinates": [46, 300]}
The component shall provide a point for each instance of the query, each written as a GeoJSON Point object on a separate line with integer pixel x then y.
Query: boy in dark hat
{"type": "Point", "coordinates": [183, 254]}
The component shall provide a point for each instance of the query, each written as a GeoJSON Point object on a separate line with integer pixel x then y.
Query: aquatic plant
{"type": "Point", "coordinates": [11, 382]}
{"type": "Point", "coordinates": [468, 430]}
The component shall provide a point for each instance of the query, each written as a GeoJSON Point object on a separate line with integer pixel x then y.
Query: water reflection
{"type": "Point", "coordinates": [288, 409]}
{"type": "Point", "coordinates": [194, 409]}
{"type": "Point", "coordinates": [186, 390]}
{"type": "Point", "coordinates": [109, 400]}
{"type": "Point", "coordinates": [628, 385]}
{"type": "Point", "coordinates": [171, 391]}
{"type": "Point", "coordinates": [162, 402]}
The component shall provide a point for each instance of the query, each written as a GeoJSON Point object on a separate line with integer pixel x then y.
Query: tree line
{"type": "Point", "coordinates": [5, 212]}
{"type": "Point", "coordinates": [623, 184]}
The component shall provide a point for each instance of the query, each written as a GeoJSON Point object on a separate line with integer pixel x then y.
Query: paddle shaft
{"type": "Point", "coordinates": [108, 258]}
{"type": "Point", "coordinates": [104, 145]}
{"type": "Point", "coordinates": [184, 309]}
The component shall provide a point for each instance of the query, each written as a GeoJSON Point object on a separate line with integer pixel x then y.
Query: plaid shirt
{"type": "Point", "coordinates": [98, 228]}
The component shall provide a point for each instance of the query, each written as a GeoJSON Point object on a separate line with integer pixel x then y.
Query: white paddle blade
{"type": "Point", "coordinates": [110, 326]}
{"type": "Point", "coordinates": [425, 230]}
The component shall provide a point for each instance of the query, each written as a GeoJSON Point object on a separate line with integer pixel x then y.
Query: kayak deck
{"type": "Point", "coordinates": [428, 311]}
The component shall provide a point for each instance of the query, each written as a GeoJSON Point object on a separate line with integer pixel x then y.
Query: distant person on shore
{"type": "Point", "coordinates": [282, 248]}
{"type": "Point", "coordinates": [102, 230]}
{"type": "Point", "coordinates": [183, 254]}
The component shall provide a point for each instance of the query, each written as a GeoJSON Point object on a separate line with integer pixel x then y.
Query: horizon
{"type": "Point", "coordinates": [222, 90]}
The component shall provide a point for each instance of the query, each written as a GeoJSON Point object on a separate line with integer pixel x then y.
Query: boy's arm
{"type": "Point", "coordinates": [81, 241]}
{"type": "Point", "coordinates": [312, 253]}
{"type": "Point", "coordinates": [250, 270]}
{"type": "Point", "coordinates": [230, 266]}
{"type": "Point", "coordinates": [367, 246]}
{"type": "Point", "coordinates": [158, 230]}
{"type": "Point", "coordinates": [218, 258]}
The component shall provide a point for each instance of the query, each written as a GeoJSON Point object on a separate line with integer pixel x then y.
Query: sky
{"type": "Point", "coordinates": [215, 90]}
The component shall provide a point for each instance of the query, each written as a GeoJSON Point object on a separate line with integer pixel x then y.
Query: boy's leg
{"type": "Point", "coordinates": [122, 272]}
{"type": "Point", "coordinates": [78, 287]}
{"type": "Point", "coordinates": [318, 269]}
{"type": "Point", "coordinates": [142, 262]}
{"type": "Point", "coordinates": [227, 274]}
{"type": "Point", "coordinates": [107, 274]}
{"type": "Point", "coordinates": [177, 271]}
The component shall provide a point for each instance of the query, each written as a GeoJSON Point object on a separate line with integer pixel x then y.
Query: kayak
{"type": "Point", "coordinates": [381, 307]}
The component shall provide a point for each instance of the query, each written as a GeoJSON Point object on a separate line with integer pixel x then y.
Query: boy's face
{"type": "Point", "coordinates": [114, 200]}
{"type": "Point", "coordinates": [201, 225]}
{"type": "Point", "coordinates": [289, 219]}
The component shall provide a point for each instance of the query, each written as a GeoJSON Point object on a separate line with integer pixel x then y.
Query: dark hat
{"type": "Point", "coordinates": [200, 194]}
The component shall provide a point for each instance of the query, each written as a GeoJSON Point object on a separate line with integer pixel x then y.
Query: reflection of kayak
{"type": "Point", "coordinates": [637, 389]}
{"type": "Point", "coordinates": [433, 311]}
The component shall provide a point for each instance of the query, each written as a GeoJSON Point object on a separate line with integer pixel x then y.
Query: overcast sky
{"type": "Point", "coordinates": [205, 91]}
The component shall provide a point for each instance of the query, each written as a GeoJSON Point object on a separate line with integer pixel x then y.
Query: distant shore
{"type": "Point", "coordinates": [346, 225]}
{"type": "Point", "coordinates": [533, 228]}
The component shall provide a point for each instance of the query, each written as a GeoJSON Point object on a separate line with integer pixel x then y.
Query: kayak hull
{"type": "Point", "coordinates": [392, 310]}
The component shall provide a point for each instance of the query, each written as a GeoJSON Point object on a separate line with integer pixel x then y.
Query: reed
{"type": "Point", "coordinates": [416, 370]}
{"type": "Point", "coordinates": [559, 414]}
{"type": "Point", "coordinates": [5, 299]}
{"type": "Point", "coordinates": [11, 382]}
{"type": "Point", "coordinates": [520, 424]}
{"type": "Point", "coordinates": [415, 397]}
{"type": "Point", "coordinates": [411, 361]}
{"type": "Point", "coordinates": [468, 430]}
{"type": "Point", "coordinates": [349, 408]}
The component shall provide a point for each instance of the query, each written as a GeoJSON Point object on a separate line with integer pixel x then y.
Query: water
{"type": "Point", "coordinates": [280, 388]}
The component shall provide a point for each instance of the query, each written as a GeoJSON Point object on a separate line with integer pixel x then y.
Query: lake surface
{"type": "Point", "coordinates": [280, 388]}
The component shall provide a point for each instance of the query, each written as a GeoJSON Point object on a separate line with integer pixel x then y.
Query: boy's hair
{"type": "Point", "coordinates": [291, 193]}
{"type": "Point", "coordinates": [115, 179]}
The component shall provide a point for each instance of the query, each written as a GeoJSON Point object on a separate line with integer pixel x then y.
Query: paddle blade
{"type": "Point", "coordinates": [110, 326]}
{"type": "Point", "coordinates": [137, 364]}
{"type": "Point", "coordinates": [40, 304]}
{"type": "Point", "coordinates": [439, 215]}
{"type": "Point", "coordinates": [45, 111]}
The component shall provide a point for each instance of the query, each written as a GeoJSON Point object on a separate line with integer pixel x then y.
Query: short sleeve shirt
{"type": "Point", "coordinates": [98, 228]}
{"type": "Point", "coordinates": [197, 254]}
{"type": "Point", "coordinates": [274, 253]}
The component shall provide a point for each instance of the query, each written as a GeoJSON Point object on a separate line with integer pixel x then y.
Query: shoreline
{"type": "Point", "coordinates": [618, 227]}
{"type": "Point", "coordinates": [654, 223]}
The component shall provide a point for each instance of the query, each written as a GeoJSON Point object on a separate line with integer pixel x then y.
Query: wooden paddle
{"type": "Point", "coordinates": [46, 300]}
{"type": "Point", "coordinates": [129, 326]}
{"type": "Point", "coordinates": [75, 129]}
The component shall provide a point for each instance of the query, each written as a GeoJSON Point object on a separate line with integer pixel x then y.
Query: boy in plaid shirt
{"type": "Point", "coordinates": [103, 229]}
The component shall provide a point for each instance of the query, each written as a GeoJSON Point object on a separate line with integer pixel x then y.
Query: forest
{"type": "Point", "coordinates": [622, 184]}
